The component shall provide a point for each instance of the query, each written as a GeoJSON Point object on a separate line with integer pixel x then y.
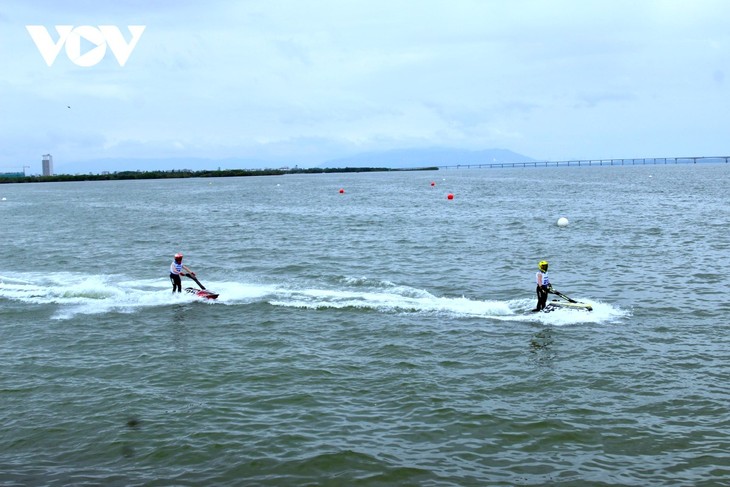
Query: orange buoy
{"type": "Point", "coordinates": [450, 196]}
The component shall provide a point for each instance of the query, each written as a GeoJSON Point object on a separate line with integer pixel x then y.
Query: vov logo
{"type": "Point", "coordinates": [99, 37]}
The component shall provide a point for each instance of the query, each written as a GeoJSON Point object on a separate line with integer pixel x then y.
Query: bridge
{"type": "Point", "coordinates": [595, 162]}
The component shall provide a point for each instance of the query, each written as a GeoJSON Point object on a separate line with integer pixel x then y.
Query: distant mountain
{"type": "Point", "coordinates": [437, 156]}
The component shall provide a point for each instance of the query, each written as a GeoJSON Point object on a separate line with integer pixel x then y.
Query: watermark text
{"type": "Point", "coordinates": [71, 37]}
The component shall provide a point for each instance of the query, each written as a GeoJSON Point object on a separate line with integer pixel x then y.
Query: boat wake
{"type": "Point", "coordinates": [73, 294]}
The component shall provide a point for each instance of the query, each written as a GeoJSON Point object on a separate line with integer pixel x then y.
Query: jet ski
{"type": "Point", "coordinates": [554, 304]}
{"type": "Point", "coordinates": [202, 292]}
{"type": "Point", "coordinates": [567, 303]}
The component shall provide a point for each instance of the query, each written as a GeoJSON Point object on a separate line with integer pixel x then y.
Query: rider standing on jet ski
{"type": "Point", "coordinates": [543, 285]}
{"type": "Point", "coordinates": [177, 269]}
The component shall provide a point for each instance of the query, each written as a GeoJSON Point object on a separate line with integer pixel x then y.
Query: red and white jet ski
{"type": "Point", "coordinates": [202, 292]}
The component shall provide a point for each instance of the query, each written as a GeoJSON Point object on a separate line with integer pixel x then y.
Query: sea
{"type": "Point", "coordinates": [370, 330]}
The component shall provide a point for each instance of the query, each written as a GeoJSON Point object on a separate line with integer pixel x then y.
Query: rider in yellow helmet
{"type": "Point", "coordinates": [543, 285]}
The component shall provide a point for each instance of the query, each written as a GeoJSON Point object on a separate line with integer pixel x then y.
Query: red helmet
{"type": "Point", "coordinates": [178, 256]}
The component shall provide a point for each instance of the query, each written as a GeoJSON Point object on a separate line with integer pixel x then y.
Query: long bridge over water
{"type": "Point", "coordinates": [596, 162]}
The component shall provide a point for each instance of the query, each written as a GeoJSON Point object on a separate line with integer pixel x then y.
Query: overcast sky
{"type": "Point", "coordinates": [298, 81]}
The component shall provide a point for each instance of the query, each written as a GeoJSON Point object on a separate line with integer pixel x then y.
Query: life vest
{"type": "Point", "coordinates": [176, 268]}
{"type": "Point", "coordinates": [542, 278]}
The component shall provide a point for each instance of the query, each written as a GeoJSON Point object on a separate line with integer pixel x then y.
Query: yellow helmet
{"type": "Point", "coordinates": [543, 265]}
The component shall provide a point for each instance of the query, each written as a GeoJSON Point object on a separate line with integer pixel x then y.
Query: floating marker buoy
{"type": "Point", "coordinates": [562, 222]}
{"type": "Point", "coordinates": [342, 191]}
{"type": "Point", "coordinates": [433, 184]}
{"type": "Point", "coordinates": [450, 196]}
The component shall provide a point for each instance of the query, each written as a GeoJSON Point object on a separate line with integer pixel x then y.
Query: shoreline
{"type": "Point", "coordinates": [184, 173]}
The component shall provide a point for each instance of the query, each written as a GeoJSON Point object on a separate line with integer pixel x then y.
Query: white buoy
{"type": "Point", "coordinates": [562, 222]}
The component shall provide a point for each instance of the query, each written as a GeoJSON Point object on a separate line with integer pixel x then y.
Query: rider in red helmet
{"type": "Point", "coordinates": [177, 269]}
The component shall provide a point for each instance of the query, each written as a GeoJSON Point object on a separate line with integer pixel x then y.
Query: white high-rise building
{"type": "Point", "coordinates": [47, 165]}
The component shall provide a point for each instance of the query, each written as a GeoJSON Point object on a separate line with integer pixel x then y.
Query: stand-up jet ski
{"type": "Point", "coordinates": [568, 303]}
{"type": "Point", "coordinates": [202, 292]}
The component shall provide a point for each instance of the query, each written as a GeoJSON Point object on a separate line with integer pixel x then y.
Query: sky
{"type": "Point", "coordinates": [285, 82]}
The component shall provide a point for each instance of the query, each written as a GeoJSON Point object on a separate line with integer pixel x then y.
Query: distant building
{"type": "Point", "coordinates": [47, 165]}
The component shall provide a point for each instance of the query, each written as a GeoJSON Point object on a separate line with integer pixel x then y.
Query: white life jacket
{"type": "Point", "coordinates": [176, 268]}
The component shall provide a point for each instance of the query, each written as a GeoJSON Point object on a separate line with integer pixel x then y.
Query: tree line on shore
{"type": "Point", "coordinates": [187, 173]}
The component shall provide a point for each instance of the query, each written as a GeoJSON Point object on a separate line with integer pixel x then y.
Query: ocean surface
{"type": "Point", "coordinates": [379, 336]}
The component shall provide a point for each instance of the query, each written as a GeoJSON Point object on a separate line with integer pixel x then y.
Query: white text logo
{"type": "Point", "coordinates": [99, 38]}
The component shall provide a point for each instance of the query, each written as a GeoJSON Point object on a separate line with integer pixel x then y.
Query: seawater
{"type": "Point", "coordinates": [379, 336]}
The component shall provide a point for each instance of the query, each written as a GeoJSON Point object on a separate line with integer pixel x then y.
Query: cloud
{"type": "Point", "coordinates": [282, 78]}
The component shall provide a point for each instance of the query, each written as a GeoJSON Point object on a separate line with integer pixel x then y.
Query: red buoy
{"type": "Point", "coordinates": [433, 184]}
{"type": "Point", "coordinates": [342, 191]}
{"type": "Point", "coordinates": [450, 196]}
